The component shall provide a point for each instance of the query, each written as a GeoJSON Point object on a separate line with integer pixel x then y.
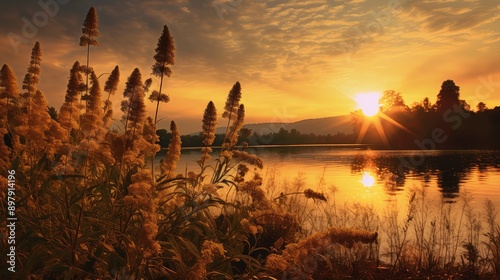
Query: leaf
{"type": "Point", "coordinates": [108, 247]}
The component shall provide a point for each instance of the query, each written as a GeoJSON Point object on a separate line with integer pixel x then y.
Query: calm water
{"type": "Point", "coordinates": [376, 176]}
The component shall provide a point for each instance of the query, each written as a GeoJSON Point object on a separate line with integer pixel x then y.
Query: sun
{"type": "Point", "coordinates": [368, 103]}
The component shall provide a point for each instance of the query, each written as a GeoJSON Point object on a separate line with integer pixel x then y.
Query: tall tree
{"type": "Point", "coordinates": [426, 104]}
{"type": "Point", "coordinates": [392, 100]}
{"type": "Point", "coordinates": [481, 107]}
{"type": "Point", "coordinates": [90, 32]}
{"type": "Point", "coordinates": [448, 96]}
{"type": "Point", "coordinates": [164, 58]}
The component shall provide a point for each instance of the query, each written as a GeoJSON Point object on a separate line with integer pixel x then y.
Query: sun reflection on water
{"type": "Point", "coordinates": [367, 180]}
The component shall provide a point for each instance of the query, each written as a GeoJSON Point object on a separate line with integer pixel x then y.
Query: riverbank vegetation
{"type": "Point", "coordinates": [91, 204]}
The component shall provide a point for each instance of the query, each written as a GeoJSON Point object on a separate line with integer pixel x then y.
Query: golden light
{"type": "Point", "coordinates": [368, 103]}
{"type": "Point", "coordinates": [367, 180]}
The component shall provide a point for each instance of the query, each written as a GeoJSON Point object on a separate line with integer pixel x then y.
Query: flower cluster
{"type": "Point", "coordinates": [309, 193]}
{"type": "Point", "coordinates": [169, 164]}
{"type": "Point", "coordinates": [298, 258]}
{"type": "Point", "coordinates": [209, 252]}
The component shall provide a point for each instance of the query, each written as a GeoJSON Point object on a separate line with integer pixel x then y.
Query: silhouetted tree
{"type": "Point", "coordinates": [481, 107]}
{"type": "Point", "coordinates": [245, 133]}
{"type": "Point", "coordinates": [391, 100]}
{"type": "Point", "coordinates": [426, 104]}
{"type": "Point", "coordinates": [448, 96]}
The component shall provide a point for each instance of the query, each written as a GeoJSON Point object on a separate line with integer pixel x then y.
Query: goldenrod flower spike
{"type": "Point", "coordinates": [8, 83]}
{"type": "Point", "coordinates": [209, 125]}
{"type": "Point", "coordinates": [168, 166]}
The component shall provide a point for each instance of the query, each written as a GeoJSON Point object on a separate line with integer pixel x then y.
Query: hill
{"type": "Point", "coordinates": [320, 126]}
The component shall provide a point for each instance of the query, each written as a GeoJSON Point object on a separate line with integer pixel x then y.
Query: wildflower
{"type": "Point", "coordinates": [90, 31]}
{"type": "Point", "coordinates": [241, 172]}
{"type": "Point", "coordinates": [164, 54]}
{"type": "Point", "coordinates": [252, 229]}
{"type": "Point", "coordinates": [147, 237]}
{"type": "Point", "coordinates": [8, 90]}
{"type": "Point", "coordinates": [35, 128]}
{"type": "Point", "coordinates": [91, 120]}
{"type": "Point", "coordinates": [26, 105]}
{"type": "Point", "coordinates": [209, 124]}
{"type": "Point", "coordinates": [276, 264]}
{"type": "Point", "coordinates": [110, 87]}
{"type": "Point", "coordinates": [309, 193]}
{"type": "Point", "coordinates": [208, 135]}
{"type": "Point", "coordinates": [209, 251]}
{"type": "Point", "coordinates": [140, 195]}
{"type": "Point", "coordinates": [8, 83]}
{"type": "Point", "coordinates": [4, 150]}
{"type": "Point", "coordinates": [135, 109]}
{"type": "Point", "coordinates": [69, 113]}
{"type": "Point", "coordinates": [149, 134]}
{"type": "Point", "coordinates": [348, 237]}
{"type": "Point", "coordinates": [169, 165]}
{"type": "Point", "coordinates": [228, 155]}
{"type": "Point", "coordinates": [32, 77]}
{"type": "Point", "coordinates": [299, 257]}
{"type": "Point", "coordinates": [163, 58]}
{"type": "Point", "coordinates": [4, 184]}
{"type": "Point", "coordinates": [232, 136]}
{"type": "Point", "coordinates": [232, 102]}
{"type": "Point", "coordinates": [253, 189]}
{"type": "Point", "coordinates": [112, 83]}
{"type": "Point", "coordinates": [159, 97]}
{"type": "Point", "coordinates": [117, 144]}
{"type": "Point", "coordinates": [147, 84]}
{"type": "Point", "coordinates": [249, 158]}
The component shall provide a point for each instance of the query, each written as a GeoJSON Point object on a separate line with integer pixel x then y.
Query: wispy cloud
{"type": "Point", "coordinates": [296, 51]}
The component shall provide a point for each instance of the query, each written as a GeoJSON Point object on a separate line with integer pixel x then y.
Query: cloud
{"type": "Point", "coordinates": [296, 51]}
{"type": "Point", "coordinates": [455, 15]}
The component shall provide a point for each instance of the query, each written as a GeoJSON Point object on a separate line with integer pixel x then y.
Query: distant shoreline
{"type": "Point", "coordinates": [289, 146]}
{"type": "Point", "coordinates": [358, 146]}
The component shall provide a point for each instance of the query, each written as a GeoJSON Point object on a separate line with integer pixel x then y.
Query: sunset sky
{"type": "Point", "coordinates": [295, 59]}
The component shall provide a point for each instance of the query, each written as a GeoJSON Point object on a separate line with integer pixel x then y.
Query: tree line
{"type": "Point", "coordinates": [449, 123]}
{"type": "Point", "coordinates": [282, 137]}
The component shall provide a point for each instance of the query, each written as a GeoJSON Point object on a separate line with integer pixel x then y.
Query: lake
{"type": "Point", "coordinates": [371, 189]}
{"type": "Point", "coordinates": [375, 176]}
